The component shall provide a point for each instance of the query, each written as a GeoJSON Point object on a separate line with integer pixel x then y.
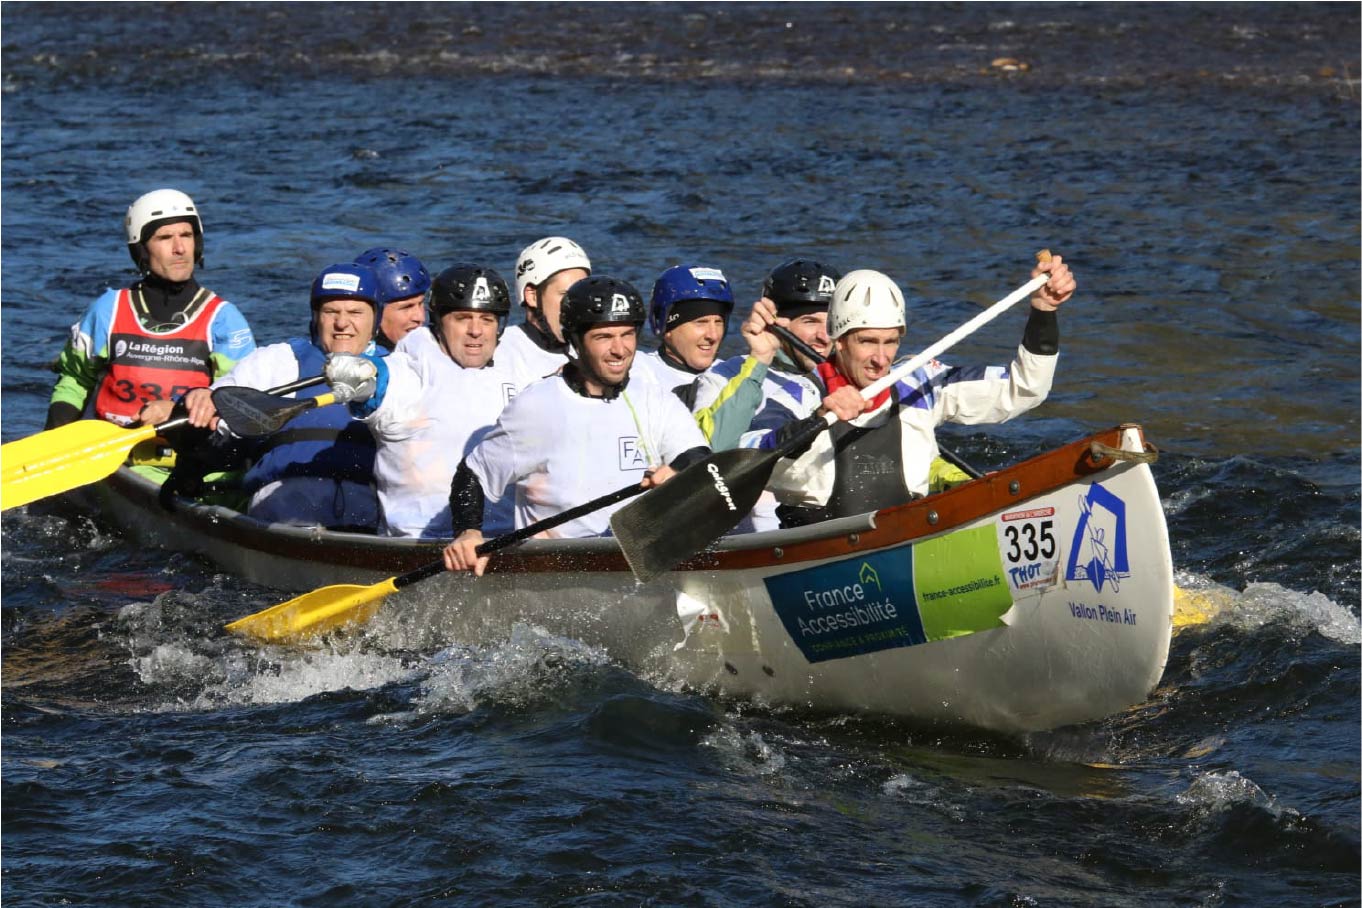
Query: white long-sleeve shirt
{"type": "Point", "coordinates": [432, 413]}
{"type": "Point", "coordinates": [928, 397]}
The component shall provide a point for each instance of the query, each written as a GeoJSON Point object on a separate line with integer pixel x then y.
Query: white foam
{"type": "Point", "coordinates": [1214, 792]}
{"type": "Point", "coordinates": [1266, 603]}
{"type": "Point", "coordinates": [530, 664]}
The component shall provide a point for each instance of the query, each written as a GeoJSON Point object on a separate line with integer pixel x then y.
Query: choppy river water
{"type": "Point", "coordinates": [1197, 164]}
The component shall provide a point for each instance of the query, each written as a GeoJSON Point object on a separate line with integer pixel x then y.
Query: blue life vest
{"type": "Point", "coordinates": [325, 441]}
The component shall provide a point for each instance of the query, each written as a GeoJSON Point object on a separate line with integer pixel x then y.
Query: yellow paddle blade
{"type": "Point", "coordinates": [314, 613]}
{"type": "Point", "coordinates": [63, 459]}
{"type": "Point", "coordinates": [1193, 607]}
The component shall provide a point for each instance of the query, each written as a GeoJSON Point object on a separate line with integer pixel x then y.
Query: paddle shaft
{"type": "Point", "coordinates": [813, 355]}
{"type": "Point", "coordinates": [497, 543]}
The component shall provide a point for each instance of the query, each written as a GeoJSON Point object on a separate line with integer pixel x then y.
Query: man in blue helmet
{"type": "Point", "coordinates": [318, 470]}
{"type": "Point", "coordinates": [583, 433]}
{"type": "Point", "coordinates": [436, 396]}
{"type": "Point", "coordinates": [403, 283]}
{"type": "Point", "coordinates": [688, 315]}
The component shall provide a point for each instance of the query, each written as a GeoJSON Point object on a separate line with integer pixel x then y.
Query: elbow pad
{"type": "Point", "coordinates": [1042, 333]}
{"type": "Point", "coordinates": [466, 500]}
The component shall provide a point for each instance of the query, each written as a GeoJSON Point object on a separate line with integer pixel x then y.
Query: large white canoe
{"type": "Point", "coordinates": [1038, 596]}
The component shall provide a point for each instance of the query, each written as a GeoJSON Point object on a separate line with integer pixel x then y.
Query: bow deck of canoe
{"type": "Point", "coordinates": [1040, 595]}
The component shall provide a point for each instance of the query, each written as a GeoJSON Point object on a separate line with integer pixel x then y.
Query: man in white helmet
{"type": "Point", "coordinates": [137, 350]}
{"type": "Point", "coordinates": [880, 453]}
{"type": "Point", "coordinates": [543, 273]}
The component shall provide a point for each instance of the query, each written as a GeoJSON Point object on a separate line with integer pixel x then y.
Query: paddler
{"type": "Point", "coordinates": [579, 434]}
{"type": "Point", "coordinates": [318, 470]}
{"type": "Point", "coordinates": [880, 453]}
{"type": "Point", "coordinates": [769, 386]}
{"type": "Point", "coordinates": [138, 350]}
{"type": "Point", "coordinates": [434, 398]}
{"type": "Point", "coordinates": [688, 314]}
{"type": "Point", "coordinates": [403, 283]}
{"type": "Point", "coordinates": [544, 271]}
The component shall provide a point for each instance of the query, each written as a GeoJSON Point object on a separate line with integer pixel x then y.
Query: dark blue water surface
{"type": "Point", "coordinates": [1197, 164]}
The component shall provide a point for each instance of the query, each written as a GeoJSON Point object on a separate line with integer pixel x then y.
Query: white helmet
{"type": "Point", "coordinates": [542, 260]}
{"type": "Point", "coordinates": [159, 205]}
{"type": "Point", "coordinates": [865, 299]}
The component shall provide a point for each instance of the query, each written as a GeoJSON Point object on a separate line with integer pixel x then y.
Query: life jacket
{"type": "Point", "coordinates": [868, 471]}
{"type": "Point", "coordinates": [323, 441]}
{"type": "Point", "coordinates": [146, 365]}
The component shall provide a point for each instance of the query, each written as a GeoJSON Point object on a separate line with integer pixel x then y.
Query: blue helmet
{"type": "Point", "coordinates": [400, 274]}
{"type": "Point", "coordinates": [686, 283]}
{"type": "Point", "coordinates": [345, 281]}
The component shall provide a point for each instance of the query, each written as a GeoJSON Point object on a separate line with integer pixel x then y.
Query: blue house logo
{"type": "Point", "coordinates": [1098, 551]}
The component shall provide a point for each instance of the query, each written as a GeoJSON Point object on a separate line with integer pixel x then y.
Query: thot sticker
{"type": "Point", "coordinates": [708, 274]}
{"type": "Point", "coordinates": [1026, 540]}
{"type": "Point", "coordinates": [619, 303]}
{"type": "Point", "coordinates": [338, 281]}
{"type": "Point", "coordinates": [632, 455]}
{"type": "Point", "coordinates": [1098, 552]}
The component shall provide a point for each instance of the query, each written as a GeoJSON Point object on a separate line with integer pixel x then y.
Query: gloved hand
{"type": "Point", "coordinates": [352, 377]}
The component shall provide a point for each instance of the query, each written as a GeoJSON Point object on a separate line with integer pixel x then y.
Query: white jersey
{"type": "Point", "coordinates": [524, 360]}
{"type": "Point", "coordinates": [559, 449]}
{"type": "Point", "coordinates": [928, 397]}
{"type": "Point", "coordinates": [651, 367]}
{"type": "Point", "coordinates": [432, 412]}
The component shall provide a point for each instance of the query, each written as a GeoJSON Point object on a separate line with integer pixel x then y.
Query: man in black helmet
{"type": "Point", "coordinates": [435, 397]}
{"type": "Point", "coordinates": [138, 350]}
{"type": "Point", "coordinates": [737, 391]}
{"type": "Point", "coordinates": [578, 434]}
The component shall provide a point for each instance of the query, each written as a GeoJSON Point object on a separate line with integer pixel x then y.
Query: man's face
{"type": "Point", "coordinates": [170, 252]}
{"type": "Point", "coordinates": [696, 342]}
{"type": "Point", "coordinates": [401, 317]}
{"type": "Point", "coordinates": [470, 337]}
{"type": "Point", "coordinates": [812, 329]}
{"type": "Point", "coordinates": [344, 325]}
{"type": "Point", "coordinates": [608, 351]}
{"type": "Point", "coordinates": [865, 355]}
{"type": "Point", "coordinates": [548, 298]}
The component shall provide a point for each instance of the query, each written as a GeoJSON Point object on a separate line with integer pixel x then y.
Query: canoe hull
{"type": "Point", "coordinates": [984, 606]}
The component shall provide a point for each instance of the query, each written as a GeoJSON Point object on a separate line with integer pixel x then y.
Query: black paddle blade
{"type": "Point", "coordinates": [691, 510]}
{"type": "Point", "coordinates": [251, 413]}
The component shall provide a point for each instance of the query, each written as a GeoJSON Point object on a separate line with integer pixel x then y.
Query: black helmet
{"type": "Point", "coordinates": [800, 286]}
{"type": "Point", "coordinates": [600, 300]}
{"type": "Point", "coordinates": [466, 286]}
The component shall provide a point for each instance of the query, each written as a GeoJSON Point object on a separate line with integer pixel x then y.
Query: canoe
{"type": "Point", "coordinates": [1038, 596]}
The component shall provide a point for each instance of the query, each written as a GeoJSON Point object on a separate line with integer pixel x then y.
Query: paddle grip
{"type": "Point", "coordinates": [802, 348]}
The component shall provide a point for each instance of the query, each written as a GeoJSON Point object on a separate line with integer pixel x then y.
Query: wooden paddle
{"type": "Point", "coordinates": [708, 498]}
{"type": "Point", "coordinates": [332, 607]}
{"type": "Point", "coordinates": [87, 450]}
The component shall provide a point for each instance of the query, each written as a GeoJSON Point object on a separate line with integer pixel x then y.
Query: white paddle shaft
{"type": "Point", "coordinates": [950, 340]}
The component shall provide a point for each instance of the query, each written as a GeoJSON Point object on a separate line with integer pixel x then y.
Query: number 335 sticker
{"type": "Point", "coordinates": [1026, 541]}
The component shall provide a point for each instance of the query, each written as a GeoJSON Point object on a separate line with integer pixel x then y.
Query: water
{"type": "Point", "coordinates": [1199, 167]}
